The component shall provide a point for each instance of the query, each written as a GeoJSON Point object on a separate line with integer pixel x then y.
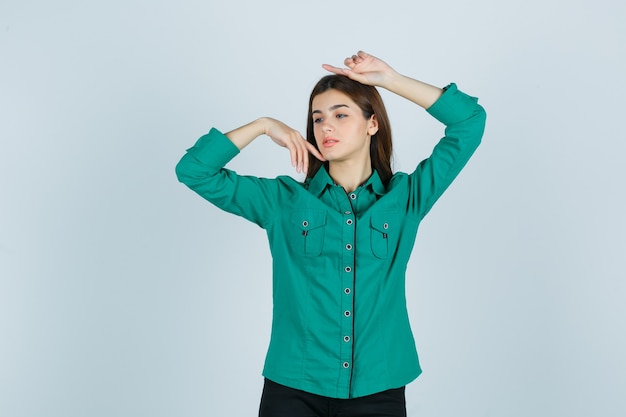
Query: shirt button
{"type": "Point", "coordinates": [346, 313]}
{"type": "Point", "coordinates": [347, 212]}
{"type": "Point", "coordinates": [386, 226]}
{"type": "Point", "coordinates": [348, 269]}
{"type": "Point", "coordinates": [347, 290]}
{"type": "Point", "coordinates": [346, 365]}
{"type": "Point", "coordinates": [349, 222]}
{"type": "Point", "coordinates": [346, 339]}
{"type": "Point", "coordinates": [305, 223]}
{"type": "Point", "coordinates": [352, 196]}
{"type": "Point", "coordinates": [348, 247]}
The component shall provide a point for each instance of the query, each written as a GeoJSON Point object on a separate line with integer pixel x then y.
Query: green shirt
{"type": "Point", "coordinates": [340, 325]}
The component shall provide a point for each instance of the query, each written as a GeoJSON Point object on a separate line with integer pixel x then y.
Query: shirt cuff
{"type": "Point", "coordinates": [214, 149]}
{"type": "Point", "coordinates": [453, 106]}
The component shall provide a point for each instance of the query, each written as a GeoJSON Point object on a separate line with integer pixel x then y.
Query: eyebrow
{"type": "Point", "coordinates": [331, 108]}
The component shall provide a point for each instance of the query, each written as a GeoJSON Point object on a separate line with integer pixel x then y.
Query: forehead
{"type": "Point", "coordinates": [329, 98]}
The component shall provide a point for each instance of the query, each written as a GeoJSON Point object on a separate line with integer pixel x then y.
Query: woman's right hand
{"type": "Point", "coordinates": [291, 139]}
{"type": "Point", "coordinates": [280, 133]}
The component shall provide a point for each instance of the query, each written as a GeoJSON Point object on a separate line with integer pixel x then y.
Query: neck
{"type": "Point", "coordinates": [350, 175]}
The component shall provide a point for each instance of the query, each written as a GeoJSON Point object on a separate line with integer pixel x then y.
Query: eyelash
{"type": "Point", "coordinates": [339, 116]}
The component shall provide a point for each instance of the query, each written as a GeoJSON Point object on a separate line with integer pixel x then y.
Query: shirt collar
{"type": "Point", "coordinates": [375, 182]}
{"type": "Point", "coordinates": [321, 180]}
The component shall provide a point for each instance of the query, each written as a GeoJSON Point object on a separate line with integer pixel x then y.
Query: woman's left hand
{"type": "Point", "coordinates": [365, 68]}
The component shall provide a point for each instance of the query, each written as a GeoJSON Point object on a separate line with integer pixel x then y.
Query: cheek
{"type": "Point", "coordinates": [318, 134]}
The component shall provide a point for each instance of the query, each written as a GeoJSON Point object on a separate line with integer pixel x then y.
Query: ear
{"type": "Point", "coordinates": [372, 126]}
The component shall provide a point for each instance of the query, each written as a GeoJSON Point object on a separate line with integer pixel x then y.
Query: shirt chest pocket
{"type": "Point", "coordinates": [383, 234]}
{"type": "Point", "coordinates": [307, 231]}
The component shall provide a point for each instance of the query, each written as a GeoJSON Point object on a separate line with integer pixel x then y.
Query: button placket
{"type": "Point", "coordinates": [347, 280]}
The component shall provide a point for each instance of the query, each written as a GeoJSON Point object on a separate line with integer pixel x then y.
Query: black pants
{"type": "Point", "coordinates": [281, 401]}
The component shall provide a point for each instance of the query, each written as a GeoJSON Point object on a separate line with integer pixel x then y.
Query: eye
{"type": "Point", "coordinates": [341, 115]}
{"type": "Point", "coordinates": [317, 119]}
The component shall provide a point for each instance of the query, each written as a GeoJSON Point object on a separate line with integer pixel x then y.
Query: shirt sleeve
{"type": "Point", "coordinates": [465, 120]}
{"type": "Point", "coordinates": [202, 170]}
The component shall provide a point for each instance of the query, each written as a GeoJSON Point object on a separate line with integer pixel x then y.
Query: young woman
{"type": "Point", "coordinates": [341, 343]}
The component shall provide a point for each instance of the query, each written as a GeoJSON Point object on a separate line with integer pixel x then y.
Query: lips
{"type": "Point", "coordinates": [329, 142]}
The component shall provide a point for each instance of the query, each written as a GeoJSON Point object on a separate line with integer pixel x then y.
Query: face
{"type": "Point", "coordinates": [341, 131]}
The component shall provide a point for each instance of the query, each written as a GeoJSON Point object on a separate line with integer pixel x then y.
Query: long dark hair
{"type": "Point", "coordinates": [370, 102]}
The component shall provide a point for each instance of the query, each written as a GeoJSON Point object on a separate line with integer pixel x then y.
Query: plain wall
{"type": "Point", "coordinates": [122, 293]}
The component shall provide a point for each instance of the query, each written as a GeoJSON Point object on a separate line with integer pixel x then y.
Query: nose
{"type": "Point", "coordinates": [326, 126]}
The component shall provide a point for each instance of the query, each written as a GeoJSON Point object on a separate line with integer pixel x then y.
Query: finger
{"type": "Point", "coordinates": [350, 62]}
{"type": "Point", "coordinates": [302, 153]}
{"type": "Point", "coordinates": [334, 70]}
{"type": "Point", "coordinates": [305, 158]}
{"type": "Point", "coordinates": [315, 152]}
{"type": "Point", "coordinates": [292, 152]}
{"type": "Point", "coordinates": [301, 157]}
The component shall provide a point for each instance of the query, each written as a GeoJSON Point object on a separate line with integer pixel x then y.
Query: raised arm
{"type": "Point", "coordinates": [369, 70]}
{"type": "Point", "coordinates": [463, 117]}
{"type": "Point", "coordinates": [281, 134]}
